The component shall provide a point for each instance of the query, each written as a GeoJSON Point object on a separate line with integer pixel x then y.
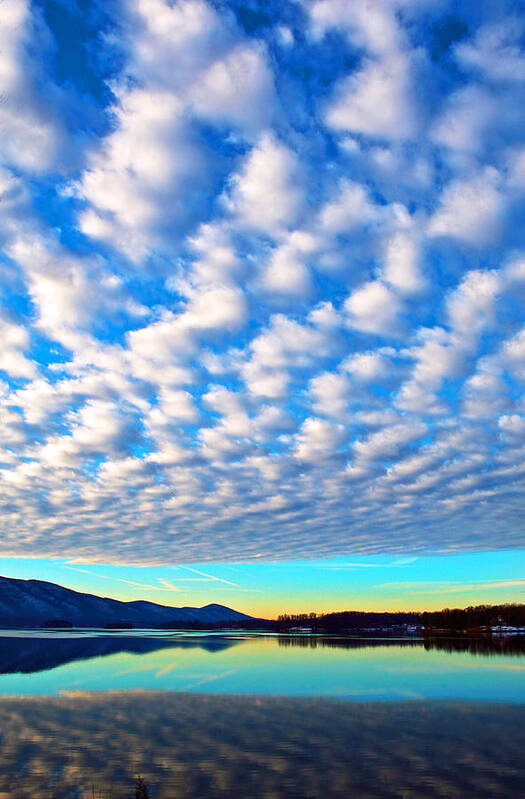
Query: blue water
{"type": "Point", "coordinates": [210, 715]}
{"type": "Point", "coordinates": [50, 664]}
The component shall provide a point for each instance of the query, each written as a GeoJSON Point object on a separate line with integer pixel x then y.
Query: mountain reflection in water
{"type": "Point", "coordinates": [226, 746]}
{"type": "Point", "coordinates": [30, 654]}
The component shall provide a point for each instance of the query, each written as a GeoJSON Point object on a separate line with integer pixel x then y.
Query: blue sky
{"type": "Point", "coordinates": [267, 589]}
{"type": "Point", "coordinates": [262, 284]}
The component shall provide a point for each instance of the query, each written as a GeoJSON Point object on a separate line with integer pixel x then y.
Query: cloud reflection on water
{"type": "Point", "coordinates": [223, 746]}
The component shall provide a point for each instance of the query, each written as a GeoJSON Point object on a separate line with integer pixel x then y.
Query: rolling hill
{"type": "Point", "coordinates": [34, 603]}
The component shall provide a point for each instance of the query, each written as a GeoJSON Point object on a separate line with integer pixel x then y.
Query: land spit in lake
{"type": "Point", "coordinates": [259, 715]}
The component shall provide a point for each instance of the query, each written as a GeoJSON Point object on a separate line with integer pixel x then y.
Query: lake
{"type": "Point", "coordinates": [246, 714]}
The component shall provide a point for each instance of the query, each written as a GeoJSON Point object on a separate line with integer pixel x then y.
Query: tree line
{"type": "Point", "coordinates": [475, 617]}
{"type": "Point", "coordinates": [347, 620]}
{"type": "Point", "coordinates": [480, 618]}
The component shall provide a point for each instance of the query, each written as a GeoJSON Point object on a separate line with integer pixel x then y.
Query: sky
{"type": "Point", "coordinates": [262, 300]}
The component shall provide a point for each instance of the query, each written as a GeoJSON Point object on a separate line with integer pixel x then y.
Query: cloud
{"type": "Point", "coordinates": [155, 165]}
{"type": "Point", "coordinates": [366, 367]}
{"type": "Point", "coordinates": [401, 269]}
{"type": "Point", "coordinates": [287, 273]}
{"type": "Point", "coordinates": [352, 208]}
{"type": "Point", "coordinates": [470, 209]}
{"type": "Point", "coordinates": [464, 120]}
{"type": "Point", "coordinates": [330, 394]}
{"type": "Point", "coordinates": [266, 194]}
{"type": "Point", "coordinates": [373, 308]}
{"type": "Point", "coordinates": [318, 440]}
{"type": "Point", "coordinates": [375, 101]}
{"type": "Point", "coordinates": [389, 441]}
{"type": "Point", "coordinates": [30, 134]}
{"type": "Point", "coordinates": [261, 291]}
{"type": "Point", "coordinates": [378, 98]}
{"type": "Point", "coordinates": [237, 90]}
{"type": "Point", "coordinates": [15, 340]}
{"type": "Point", "coordinates": [470, 306]}
{"type": "Point", "coordinates": [495, 51]}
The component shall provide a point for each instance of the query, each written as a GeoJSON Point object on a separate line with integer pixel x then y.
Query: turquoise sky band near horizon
{"type": "Point", "coordinates": [266, 589]}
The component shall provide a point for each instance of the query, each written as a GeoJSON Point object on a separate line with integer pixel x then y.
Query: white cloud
{"type": "Point", "coordinates": [14, 342]}
{"type": "Point", "coordinates": [371, 25]}
{"type": "Point", "coordinates": [512, 424]}
{"type": "Point", "coordinates": [470, 209]}
{"type": "Point", "coordinates": [286, 273]}
{"type": "Point", "coordinates": [495, 51]}
{"type": "Point", "coordinates": [271, 418]}
{"type": "Point", "coordinates": [366, 366]}
{"type": "Point", "coordinates": [134, 185]}
{"type": "Point", "coordinates": [143, 184]}
{"type": "Point", "coordinates": [174, 337]}
{"type": "Point", "coordinates": [237, 90]}
{"type": "Point", "coordinates": [318, 440]}
{"type": "Point", "coordinates": [265, 382]}
{"type": "Point", "coordinates": [285, 346]}
{"type": "Point", "coordinates": [153, 403]}
{"type": "Point", "coordinates": [470, 305]}
{"type": "Point", "coordinates": [216, 309]}
{"type": "Point", "coordinates": [376, 101]}
{"type": "Point", "coordinates": [402, 264]}
{"type": "Point", "coordinates": [464, 120]}
{"type": "Point", "coordinates": [329, 392]}
{"type": "Point", "coordinates": [437, 355]}
{"type": "Point", "coordinates": [373, 308]}
{"type": "Point", "coordinates": [325, 316]}
{"type": "Point", "coordinates": [266, 194]}
{"type": "Point", "coordinates": [217, 261]}
{"type": "Point", "coordinates": [352, 208]}
{"type": "Point", "coordinates": [486, 395]}
{"type": "Point", "coordinates": [516, 168]}
{"type": "Point", "coordinates": [289, 343]}
{"type": "Point", "coordinates": [389, 441]}
{"type": "Point", "coordinates": [513, 353]}
{"type": "Point", "coordinates": [31, 136]}
{"type": "Point", "coordinates": [178, 405]}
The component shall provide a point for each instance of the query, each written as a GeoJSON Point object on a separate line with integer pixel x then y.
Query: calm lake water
{"type": "Point", "coordinates": [226, 715]}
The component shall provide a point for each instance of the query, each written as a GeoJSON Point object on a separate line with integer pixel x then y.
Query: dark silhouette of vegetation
{"type": "Point", "coordinates": [141, 789]}
{"type": "Point", "coordinates": [263, 625]}
{"type": "Point", "coordinates": [347, 621]}
{"type": "Point", "coordinates": [322, 642]}
{"type": "Point", "coordinates": [123, 625]}
{"type": "Point", "coordinates": [57, 624]}
{"type": "Point", "coordinates": [487, 645]}
{"type": "Point", "coordinates": [482, 619]}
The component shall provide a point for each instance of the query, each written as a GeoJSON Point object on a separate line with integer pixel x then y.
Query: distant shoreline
{"type": "Point", "coordinates": [296, 632]}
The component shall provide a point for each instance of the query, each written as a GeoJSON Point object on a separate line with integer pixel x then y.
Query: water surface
{"type": "Point", "coordinates": [247, 663]}
{"type": "Point", "coordinates": [245, 715]}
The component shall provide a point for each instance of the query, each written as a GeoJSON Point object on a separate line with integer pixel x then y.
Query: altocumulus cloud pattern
{"type": "Point", "coordinates": [263, 278]}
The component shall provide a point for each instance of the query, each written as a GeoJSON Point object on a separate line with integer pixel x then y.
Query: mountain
{"type": "Point", "coordinates": [33, 603]}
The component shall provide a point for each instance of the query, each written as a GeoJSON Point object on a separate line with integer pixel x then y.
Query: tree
{"type": "Point", "coordinates": [141, 789]}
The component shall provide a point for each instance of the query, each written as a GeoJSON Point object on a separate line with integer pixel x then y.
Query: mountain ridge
{"type": "Point", "coordinates": [35, 602]}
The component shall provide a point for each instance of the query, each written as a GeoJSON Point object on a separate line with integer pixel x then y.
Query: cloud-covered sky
{"type": "Point", "coordinates": [262, 278]}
